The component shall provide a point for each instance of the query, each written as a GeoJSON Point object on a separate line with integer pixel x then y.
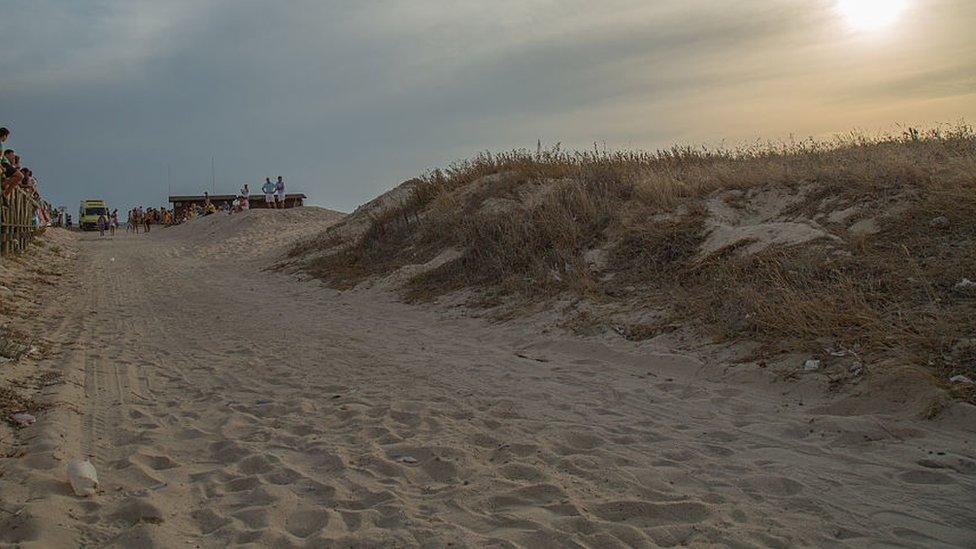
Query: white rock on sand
{"type": "Point", "coordinates": [82, 477]}
{"type": "Point", "coordinates": [223, 404]}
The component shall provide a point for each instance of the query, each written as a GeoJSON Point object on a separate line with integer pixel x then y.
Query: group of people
{"type": "Point", "coordinates": [274, 193]}
{"type": "Point", "coordinates": [14, 175]}
{"type": "Point", "coordinates": [61, 217]}
{"type": "Point", "coordinates": [274, 197]}
{"type": "Point", "coordinates": [147, 217]}
{"type": "Point", "coordinates": [139, 217]}
{"type": "Point", "coordinates": [108, 223]}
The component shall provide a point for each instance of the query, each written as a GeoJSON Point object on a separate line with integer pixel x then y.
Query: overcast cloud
{"type": "Point", "coordinates": [128, 99]}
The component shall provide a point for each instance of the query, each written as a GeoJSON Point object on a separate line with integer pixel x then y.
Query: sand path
{"type": "Point", "coordinates": [226, 405]}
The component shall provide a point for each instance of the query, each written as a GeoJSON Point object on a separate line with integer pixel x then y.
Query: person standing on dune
{"type": "Point", "coordinates": [4, 134]}
{"type": "Point", "coordinates": [245, 197]}
{"type": "Point", "coordinates": [269, 190]}
{"type": "Point", "coordinates": [280, 193]}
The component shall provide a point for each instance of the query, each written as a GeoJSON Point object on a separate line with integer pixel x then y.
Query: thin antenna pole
{"type": "Point", "coordinates": [169, 181]}
{"type": "Point", "coordinates": [213, 177]}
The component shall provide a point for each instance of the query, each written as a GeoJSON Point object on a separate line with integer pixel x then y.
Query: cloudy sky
{"type": "Point", "coordinates": [129, 99]}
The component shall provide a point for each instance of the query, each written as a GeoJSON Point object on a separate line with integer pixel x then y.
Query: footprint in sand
{"type": "Point", "coordinates": [582, 440]}
{"type": "Point", "coordinates": [243, 484]}
{"type": "Point", "coordinates": [926, 477]}
{"type": "Point", "coordinates": [255, 518]}
{"type": "Point", "coordinates": [136, 510]}
{"type": "Point", "coordinates": [521, 473]}
{"type": "Point", "coordinates": [283, 476]}
{"type": "Point", "coordinates": [304, 523]}
{"type": "Point", "coordinates": [646, 514]}
{"type": "Point", "coordinates": [771, 485]}
{"type": "Point", "coordinates": [208, 521]}
{"type": "Point", "coordinates": [157, 463]}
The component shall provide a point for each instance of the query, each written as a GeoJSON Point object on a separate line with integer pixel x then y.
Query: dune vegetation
{"type": "Point", "coordinates": [864, 244]}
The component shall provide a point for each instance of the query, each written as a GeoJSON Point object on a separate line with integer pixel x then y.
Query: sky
{"type": "Point", "coordinates": [133, 100]}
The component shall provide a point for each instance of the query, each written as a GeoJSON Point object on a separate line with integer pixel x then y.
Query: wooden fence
{"type": "Point", "coordinates": [16, 221]}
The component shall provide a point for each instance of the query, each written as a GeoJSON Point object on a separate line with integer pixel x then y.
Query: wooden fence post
{"type": "Point", "coordinates": [4, 214]}
{"type": "Point", "coordinates": [16, 221]}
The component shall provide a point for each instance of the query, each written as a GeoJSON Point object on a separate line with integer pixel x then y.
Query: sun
{"type": "Point", "coordinates": [871, 14]}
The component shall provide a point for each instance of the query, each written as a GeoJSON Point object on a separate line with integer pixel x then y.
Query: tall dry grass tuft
{"type": "Point", "coordinates": [527, 223]}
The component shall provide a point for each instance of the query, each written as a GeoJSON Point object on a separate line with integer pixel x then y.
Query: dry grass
{"type": "Point", "coordinates": [524, 223]}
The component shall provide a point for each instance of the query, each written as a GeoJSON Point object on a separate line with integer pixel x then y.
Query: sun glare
{"type": "Point", "coordinates": [870, 14]}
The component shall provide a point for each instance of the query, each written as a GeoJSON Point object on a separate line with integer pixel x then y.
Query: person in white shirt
{"type": "Point", "coordinates": [280, 192]}
{"type": "Point", "coordinates": [245, 193]}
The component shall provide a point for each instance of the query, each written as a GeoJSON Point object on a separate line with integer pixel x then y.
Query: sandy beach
{"type": "Point", "coordinates": [224, 404]}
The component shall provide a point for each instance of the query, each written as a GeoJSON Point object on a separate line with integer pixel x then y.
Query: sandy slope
{"type": "Point", "coordinates": [223, 404]}
{"type": "Point", "coordinates": [247, 235]}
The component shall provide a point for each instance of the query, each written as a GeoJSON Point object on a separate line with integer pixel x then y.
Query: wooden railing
{"type": "Point", "coordinates": [16, 221]}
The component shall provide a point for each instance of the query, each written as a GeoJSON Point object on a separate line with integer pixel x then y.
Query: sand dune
{"type": "Point", "coordinates": [223, 404]}
{"type": "Point", "coordinates": [247, 235]}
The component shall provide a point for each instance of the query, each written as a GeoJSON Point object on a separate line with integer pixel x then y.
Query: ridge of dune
{"type": "Point", "coordinates": [821, 250]}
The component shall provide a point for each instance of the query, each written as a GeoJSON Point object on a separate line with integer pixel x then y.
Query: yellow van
{"type": "Point", "coordinates": [88, 214]}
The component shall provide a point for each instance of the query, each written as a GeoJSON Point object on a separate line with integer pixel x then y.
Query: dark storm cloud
{"type": "Point", "coordinates": [117, 98]}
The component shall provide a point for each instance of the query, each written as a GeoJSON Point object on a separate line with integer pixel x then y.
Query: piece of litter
{"type": "Point", "coordinates": [965, 284]}
{"type": "Point", "coordinates": [82, 476]}
{"type": "Point", "coordinates": [408, 459]}
{"type": "Point", "coordinates": [260, 402]}
{"type": "Point", "coordinates": [811, 365]}
{"type": "Point", "coordinates": [960, 379]}
{"type": "Point", "coordinates": [23, 419]}
{"type": "Point", "coordinates": [527, 357]}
